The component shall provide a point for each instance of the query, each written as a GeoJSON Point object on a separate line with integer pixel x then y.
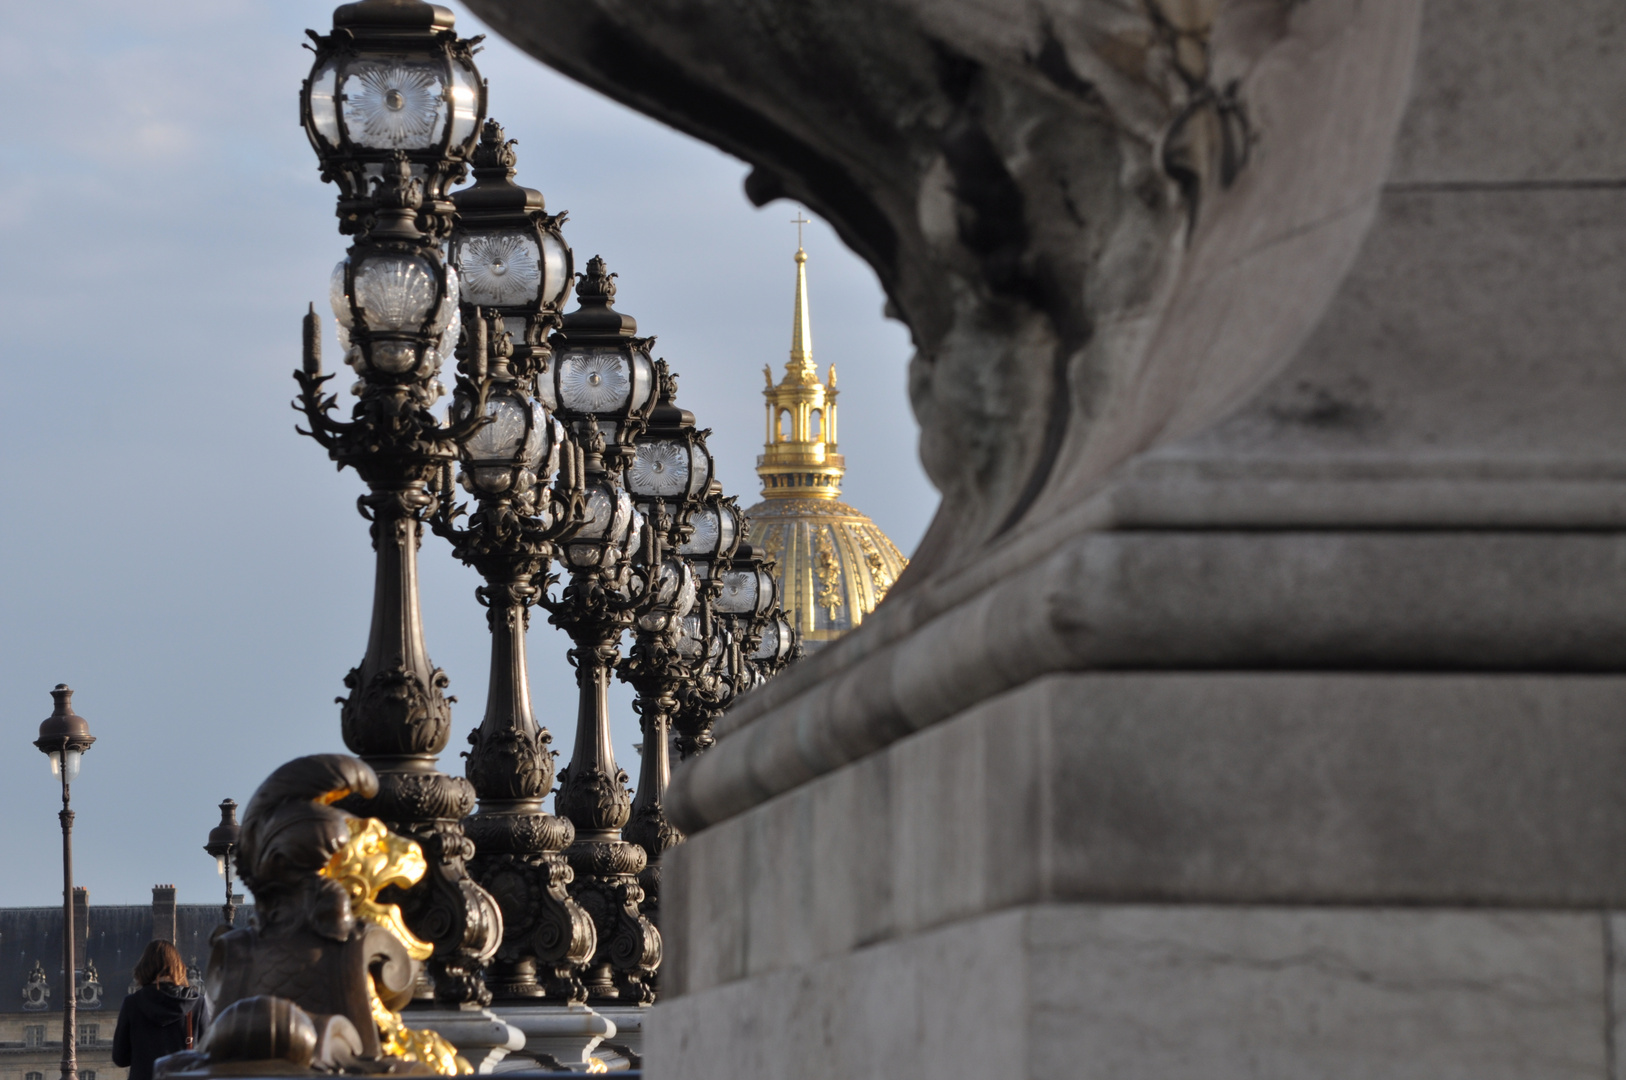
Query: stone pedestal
{"type": "Point", "coordinates": [555, 1035]}
{"type": "Point", "coordinates": [483, 1038]}
{"type": "Point", "coordinates": [1254, 706]}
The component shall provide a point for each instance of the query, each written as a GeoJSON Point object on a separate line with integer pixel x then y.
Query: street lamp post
{"type": "Point", "coordinates": [601, 384]}
{"type": "Point", "coordinates": [223, 846]}
{"type": "Point", "coordinates": [64, 738]}
{"type": "Point", "coordinates": [513, 267]}
{"type": "Point", "coordinates": [393, 106]}
{"type": "Point", "coordinates": [669, 478]}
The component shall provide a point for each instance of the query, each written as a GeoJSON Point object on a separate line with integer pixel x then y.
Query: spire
{"type": "Point", "coordinates": [801, 327]}
{"type": "Point", "coordinates": [798, 458]}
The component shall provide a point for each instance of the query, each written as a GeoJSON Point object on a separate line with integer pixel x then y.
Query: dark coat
{"type": "Point", "coordinates": [152, 1024]}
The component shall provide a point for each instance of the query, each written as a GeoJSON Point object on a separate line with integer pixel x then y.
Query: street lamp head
{"type": "Point", "coordinates": [223, 837]}
{"type": "Point", "coordinates": [601, 368]}
{"type": "Point", "coordinates": [392, 78]}
{"type": "Point", "coordinates": [64, 735]}
{"type": "Point", "coordinates": [715, 531]}
{"type": "Point", "coordinates": [748, 585]}
{"type": "Point", "coordinates": [670, 462]}
{"type": "Point", "coordinates": [513, 261]}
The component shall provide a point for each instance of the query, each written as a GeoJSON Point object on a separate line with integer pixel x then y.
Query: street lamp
{"type": "Point", "coordinates": [393, 106]}
{"type": "Point", "coordinates": [64, 738]}
{"type": "Point", "coordinates": [507, 466]}
{"type": "Point", "coordinates": [669, 478]}
{"type": "Point", "coordinates": [223, 846]}
{"type": "Point", "coordinates": [601, 384]}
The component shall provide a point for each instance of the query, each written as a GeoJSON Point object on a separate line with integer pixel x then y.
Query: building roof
{"type": "Point", "coordinates": [114, 939]}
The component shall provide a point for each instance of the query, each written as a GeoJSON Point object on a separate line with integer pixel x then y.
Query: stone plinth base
{"type": "Point", "coordinates": [1182, 874]}
{"type": "Point", "coordinates": [1138, 992]}
{"type": "Point", "coordinates": [561, 1035]}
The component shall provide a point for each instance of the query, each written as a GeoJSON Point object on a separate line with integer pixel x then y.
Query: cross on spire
{"type": "Point", "coordinates": [799, 221]}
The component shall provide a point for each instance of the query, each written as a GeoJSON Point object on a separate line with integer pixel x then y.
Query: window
{"type": "Point", "coordinates": [815, 429]}
{"type": "Point", "coordinates": [87, 1074]}
{"type": "Point", "coordinates": [34, 1035]}
{"type": "Point", "coordinates": [784, 426]}
{"type": "Point", "coordinates": [87, 1036]}
{"type": "Point", "coordinates": [33, 1076]}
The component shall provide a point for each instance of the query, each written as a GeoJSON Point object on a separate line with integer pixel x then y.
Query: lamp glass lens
{"type": "Point", "coordinates": [465, 95]}
{"type": "Point", "coordinates": [703, 542]}
{"type": "Point", "coordinates": [220, 865]}
{"type": "Point", "coordinates": [499, 442]}
{"type": "Point", "coordinates": [600, 514]}
{"type": "Point", "coordinates": [643, 379]}
{"type": "Point", "coordinates": [324, 108]}
{"type": "Point", "coordinates": [739, 593]}
{"type": "Point", "coordinates": [500, 269]}
{"type": "Point", "coordinates": [594, 381]}
{"type": "Point", "coordinates": [544, 436]}
{"type": "Point", "coordinates": [555, 269]}
{"type": "Point", "coordinates": [769, 648]}
{"type": "Point", "coordinates": [338, 297]}
{"type": "Point", "coordinates": [701, 469]}
{"type": "Point", "coordinates": [453, 331]}
{"type": "Point", "coordinates": [70, 763]}
{"type": "Point", "coordinates": [396, 292]}
{"type": "Point", "coordinates": [394, 104]}
{"type": "Point", "coordinates": [659, 469]}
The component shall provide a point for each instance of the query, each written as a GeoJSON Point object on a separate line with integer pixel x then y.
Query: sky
{"type": "Point", "coordinates": [169, 546]}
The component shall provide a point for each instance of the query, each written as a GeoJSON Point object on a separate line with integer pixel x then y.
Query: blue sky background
{"type": "Point", "coordinates": [168, 545]}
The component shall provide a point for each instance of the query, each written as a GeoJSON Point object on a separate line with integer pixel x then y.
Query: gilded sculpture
{"type": "Point", "coordinates": [317, 983]}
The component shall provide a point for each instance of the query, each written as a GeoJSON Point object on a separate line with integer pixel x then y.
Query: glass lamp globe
{"type": "Point", "coordinates": [674, 595]}
{"type": "Point", "coordinates": [716, 528]}
{"type": "Point", "coordinates": [610, 531]}
{"type": "Point", "coordinates": [517, 450]}
{"type": "Point", "coordinates": [397, 313]}
{"type": "Point", "coordinates": [777, 640]}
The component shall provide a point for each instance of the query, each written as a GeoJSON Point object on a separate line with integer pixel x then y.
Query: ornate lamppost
{"type": "Point", "coordinates": [64, 738]}
{"type": "Point", "coordinates": [752, 642]}
{"type": "Point", "coordinates": [601, 383]}
{"type": "Point", "coordinates": [223, 846]}
{"type": "Point", "coordinates": [669, 478]}
{"type": "Point", "coordinates": [392, 107]}
{"type": "Point", "coordinates": [512, 267]}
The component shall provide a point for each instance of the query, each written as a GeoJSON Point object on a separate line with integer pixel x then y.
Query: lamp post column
{"type": "Point", "coordinates": [70, 1061]}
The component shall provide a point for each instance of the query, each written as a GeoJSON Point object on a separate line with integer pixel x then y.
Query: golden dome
{"type": "Point", "coordinates": [834, 563]}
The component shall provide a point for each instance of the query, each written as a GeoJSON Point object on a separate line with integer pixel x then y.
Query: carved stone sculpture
{"type": "Point", "coordinates": [316, 983]}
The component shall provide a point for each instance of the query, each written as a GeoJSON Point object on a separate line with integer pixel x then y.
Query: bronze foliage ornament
{"type": "Point", "coordinates": [316, 984]}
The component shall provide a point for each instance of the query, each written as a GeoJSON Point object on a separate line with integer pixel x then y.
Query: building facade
{"type": "Point", "coordinates": [108, 942]}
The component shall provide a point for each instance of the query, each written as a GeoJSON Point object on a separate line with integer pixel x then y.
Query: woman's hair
{"type": "Point", "coordinates": [160, 962]}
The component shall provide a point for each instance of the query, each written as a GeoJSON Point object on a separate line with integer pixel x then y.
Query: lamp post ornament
{"type": "Point", "coordinates": [222, 845]}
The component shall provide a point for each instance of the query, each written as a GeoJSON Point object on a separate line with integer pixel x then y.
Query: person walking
{"type": "Point", "coordinates": [164, 1017]}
